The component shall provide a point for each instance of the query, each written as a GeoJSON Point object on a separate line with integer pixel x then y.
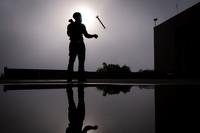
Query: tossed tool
{"type": "Point", "coordinates": [100, 22]}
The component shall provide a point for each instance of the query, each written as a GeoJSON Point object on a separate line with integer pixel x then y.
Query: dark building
{"type": "Point", "coordinates": [166, 110]}
{"type": "Point", "coordinates": [177, 43]}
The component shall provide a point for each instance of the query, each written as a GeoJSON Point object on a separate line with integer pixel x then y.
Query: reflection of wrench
{"type": "Point", "coordinates": [100, 22]}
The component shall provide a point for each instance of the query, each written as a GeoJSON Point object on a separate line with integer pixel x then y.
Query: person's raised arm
{"type": "Point", "coordinates": [69, 30]}
{"type": "Point", "coordinates": [87, 128]}
{"type": "Point", "coordinates": [87, 35]}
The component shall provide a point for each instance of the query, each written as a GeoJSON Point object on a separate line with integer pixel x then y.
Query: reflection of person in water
{"type": "Point", "coordinates": [76, 115]}
{"type": "Point", "coordinates": [76, 30]}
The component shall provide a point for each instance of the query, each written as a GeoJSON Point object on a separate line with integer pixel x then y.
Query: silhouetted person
{"type": "Point", "coordinates": [76, 115]}
{"type": "Point", "coordinates": [75, 31]}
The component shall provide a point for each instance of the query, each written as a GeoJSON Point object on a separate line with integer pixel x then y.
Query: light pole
{"type": "Point", "coordinates": [155, 20]}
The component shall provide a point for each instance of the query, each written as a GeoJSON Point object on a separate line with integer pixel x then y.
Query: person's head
{"type": "Point", "coordinates": [77, 17]}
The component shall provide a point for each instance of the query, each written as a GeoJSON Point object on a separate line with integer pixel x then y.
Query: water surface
{"type": "Point", "coordinates": [117, 109]}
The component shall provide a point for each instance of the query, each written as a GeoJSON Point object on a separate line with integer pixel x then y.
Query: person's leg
{"type": "Point", "coordinates": [71, 105]}
{"type": "Point", "coordinates": [81, 103]}
{"type": "Point", "coordinates": [81, 58]}
{"type": "Point", "coordinates": [72, 57]}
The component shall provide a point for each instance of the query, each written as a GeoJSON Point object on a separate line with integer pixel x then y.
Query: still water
{"type": "Point", "coordinates": [96, 109]}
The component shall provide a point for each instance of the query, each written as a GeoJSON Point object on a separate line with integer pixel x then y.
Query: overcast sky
{"type": "Point", "coordinates": [33, 32]}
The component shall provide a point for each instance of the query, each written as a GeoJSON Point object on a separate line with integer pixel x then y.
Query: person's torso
{"type": "Point", "coordinates": [76, 32]}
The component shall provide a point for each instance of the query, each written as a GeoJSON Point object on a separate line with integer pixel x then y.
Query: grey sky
{"type": "Point", "coordinates": [33, 32]}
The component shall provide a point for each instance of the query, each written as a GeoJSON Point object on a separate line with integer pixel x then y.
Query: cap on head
{"type": "Point", "coordinates": [77, 15]}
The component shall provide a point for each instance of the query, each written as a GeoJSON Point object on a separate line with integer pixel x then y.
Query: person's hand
{"type": "Point", "coordinates": [71, 21]}
{"type": "Point", "coordinates": [95, 127]}
{"type": "Point", "coordinates": [95, 36]}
